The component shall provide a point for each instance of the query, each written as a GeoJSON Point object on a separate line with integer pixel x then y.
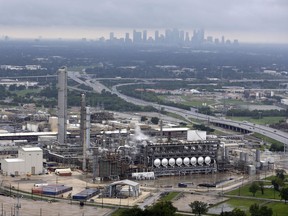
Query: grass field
{"type": "Point", "coordinates": [269, 193]}
{"type": "Point", "coordinates": [267, 139]}
{"type": "Point", "coordinates": [170, 196]}
{"type": "Point", "coordinates": [243, 204]}
{"type": "Point", "coordinates": [279, 209]}
{"type": "Point", "coordinates": [24, 92]}
{"type": "Point", "coordinates": [261, 121]}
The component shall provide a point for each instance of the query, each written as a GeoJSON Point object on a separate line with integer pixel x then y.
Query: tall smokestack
{"type": "Point", "coordinates": [62, 105]}
{"type": "Point", "coordinates": [83, 129]}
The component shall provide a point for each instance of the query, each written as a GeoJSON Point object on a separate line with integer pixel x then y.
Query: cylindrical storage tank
{"type": "Point", "coordinates": [242, 156]}
{"type": "Point", "coordinates": [186, 161]}
{"type": "Point", "coordinates": [179, 161]}
{"type": "Point", "coordinates": [271, 160]}
{"type": "Point", "coordinates": [193, 161]}
{"type": "Point", "coordinates": [172, 162]}
{"type": "Point", "coordinates": [251, 170]}
{"type": "Point", "coordinates": [200, 160]}
{"type": "Point", "coordinates": [157, 162]}
{"type": "Point", "coordinates": [207, 160]}
{"type": "Point", "coordinates": [226, 153]}
{"type": "Point", "coordinates": [246, 156]}
{"type": "Point", "coordinates": [257, 155]}
{"type": "Point", "coordinates": [164, 162]}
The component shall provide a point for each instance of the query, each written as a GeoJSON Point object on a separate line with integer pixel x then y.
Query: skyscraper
{"type": "Point", "coordinates": [156, 38]}
{"type": "Point", "coordinates": [137, 37]}
{"type": "Point", "coordinates": [144, 36]}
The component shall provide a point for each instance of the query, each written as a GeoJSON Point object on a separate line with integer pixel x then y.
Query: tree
{"type": "Point", "coordinates": [284, 194]}
{"type": "Point", "coordinates": [143, 118]}
{"type": "Point", "coordinates": [135, 211]}
{"type": "Point", "coordinates": [234, 212]}
{"type": "Point", "coordinates": [277, 183]}
{"type": "Point", "coordinates": [161, 209]}
{"type": "Point", "coordinates": [261, 185]}
{"type": "Point", "coordinates": [256, 210]}
{"type": "Point", "coordinates": [199, 207]}
{"type": "Point", "coordinates": [155, 120]}
{"type": "Point", "coordinates": [254, 187]}
{"type": "Point", "coordinates": [280, 173]}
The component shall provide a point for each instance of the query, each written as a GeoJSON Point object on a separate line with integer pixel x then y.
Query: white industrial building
{"type": "Point", "coordinates": [29, 161]}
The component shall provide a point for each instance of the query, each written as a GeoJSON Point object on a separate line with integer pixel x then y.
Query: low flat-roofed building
{"type": "Point", "coordinates": [29, 161]}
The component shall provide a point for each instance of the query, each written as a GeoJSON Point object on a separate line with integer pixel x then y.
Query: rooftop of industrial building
{"type": "Point", "coordinates": [31, 149]}
{"type": "Point", "coordinates": [13, 160]}
{"type": "Point", "coordinates": [173, 129]}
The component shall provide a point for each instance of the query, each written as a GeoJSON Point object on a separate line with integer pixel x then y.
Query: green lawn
{"type": "Point", "coordinates": [24, 92]}
{"type": "Point", "coordinates": [243, 204]}
{"type": "Point", "coordinates": [118, 212]}
{"type": "Point", "coordinates": [269, 193]}
{"type": "Point", "coordinates": [261, 121]}
{"type": "Point", "coordinates": [197, 102]}
{"type": "Point", "coordinates": [238, 102]}
{"type": "Point", "coordinates": [170, 196]}
{"type": "Point", "coordinates": [279, 209]}
{"type": "Point", "coordinates": [267, 139]}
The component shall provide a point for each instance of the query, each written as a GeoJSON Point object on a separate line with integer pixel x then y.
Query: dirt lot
{"type": "Point", "coordinates": [182, 203]}
{"type": "Point", "coordinates": [44, 208]}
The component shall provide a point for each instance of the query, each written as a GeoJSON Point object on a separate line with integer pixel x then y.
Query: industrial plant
{"type": "Point", "coordinates": [107, 147]}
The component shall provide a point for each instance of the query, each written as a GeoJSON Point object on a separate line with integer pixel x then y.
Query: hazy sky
{"type": "Point", "coordinates": [247, 20]}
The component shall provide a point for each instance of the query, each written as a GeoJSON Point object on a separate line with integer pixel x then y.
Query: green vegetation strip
{"type": "Point", "coordinates": [279, 209]}
{"type": "Point", "coordinates": [269, 193]}
{"type": "Point", "coordinates": [261, 121]}
{"type": "Point", "coordinates": [267, 139]}
{"type": "Point", "coordinates": [243, 204]}
{"type": "Point", "coordinates": [170, 196]}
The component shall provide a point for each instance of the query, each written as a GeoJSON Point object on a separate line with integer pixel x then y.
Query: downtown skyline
{"type": "Point", "coordinates": [256, 21]}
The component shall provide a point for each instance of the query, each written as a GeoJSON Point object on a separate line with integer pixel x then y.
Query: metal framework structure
{"type": "Point", "coordinates": [180, 151]}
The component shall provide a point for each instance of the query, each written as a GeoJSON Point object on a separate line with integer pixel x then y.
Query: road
{"type": "Point", "coordinates": [95, 85]}
{"type": "Point", "coordinates": [186, 114]}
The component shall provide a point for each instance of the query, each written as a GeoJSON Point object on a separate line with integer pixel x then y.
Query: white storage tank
{"type": "Point", "coordinates": [194, 161]}
{"type": "Point", "coordinates": [179, 161]}
{"type": "Point", "coordinates": [251, 170]}
{"type": "Point", "coordinates": [186, 161]}
{"type": "Point", "coordinates": [157, 162]}
{"type": "Point", "coordinates": [207, 160]}
{"type": "Point", "coordinates": [172, 162]}
{"type": "Point", "coordinates": [200, 160]}
{"type": "Point", "coordinates": [164, 162]}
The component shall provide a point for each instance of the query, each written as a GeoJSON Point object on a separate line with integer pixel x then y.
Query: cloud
{"type": "Point", "coordinates": [220, 15]}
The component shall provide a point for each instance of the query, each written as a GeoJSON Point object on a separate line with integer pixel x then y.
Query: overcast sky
{"type": "Point", "coordinates": [247, 20]}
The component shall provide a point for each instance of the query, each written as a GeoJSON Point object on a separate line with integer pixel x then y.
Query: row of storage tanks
{"type": "Point", "coordinates": [179, 161]}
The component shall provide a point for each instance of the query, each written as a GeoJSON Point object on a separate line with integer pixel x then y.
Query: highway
{"type": "Point", "coordinates": [261, 129]}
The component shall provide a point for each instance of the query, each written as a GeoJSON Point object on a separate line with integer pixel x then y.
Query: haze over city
{"type": "Point", "coordinates": [141, 107]}
{"type": "Point", "coordinates": [249, 21]}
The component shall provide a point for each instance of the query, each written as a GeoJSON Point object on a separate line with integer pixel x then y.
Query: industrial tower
{"type": "Point", "coordinates": [62, 105]}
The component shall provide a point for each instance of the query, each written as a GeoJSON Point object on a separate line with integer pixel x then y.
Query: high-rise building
{"type": "Point", "coordinates": [111, 36]}
{"type": "Point", "coordinates": [144, 36]}
{"type": "Point", "coordinates": [62, 105]}
{"type": "Point", "coordinates": [127, 39]}
{"type": "Point", "coordinates": [181, 36]}
{"type": "Point", "coordinates": [223, 40]}
{"type": "Point", "coordinates": [187, 38]}
{"type": "Point", "coordinates": [137, 37]}
{"type": "Point", "coordinates": [156, 38]}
